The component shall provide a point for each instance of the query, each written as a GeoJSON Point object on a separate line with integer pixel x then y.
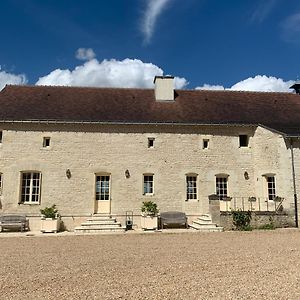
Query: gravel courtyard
{"type": "Point", "coordinates": [226, 265]}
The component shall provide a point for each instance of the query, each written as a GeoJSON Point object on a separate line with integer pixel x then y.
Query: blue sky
{"type": "Point", "coordinates": [213, 44]}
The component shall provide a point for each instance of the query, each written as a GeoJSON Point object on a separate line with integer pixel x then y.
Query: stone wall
{"type": "Point", "coordinates": [87, 150]}
{"type": "Point", "coordinates": [280, 220]}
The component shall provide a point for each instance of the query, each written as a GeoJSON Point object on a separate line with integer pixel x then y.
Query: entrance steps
{"type": "Point", "coordinates": [204, 223]}
{"type": "Point", "coordinates": [100, 223]}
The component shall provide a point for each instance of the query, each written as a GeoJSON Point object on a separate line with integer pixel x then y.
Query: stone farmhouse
{"type": "Point", "coordinates": [106, 150]}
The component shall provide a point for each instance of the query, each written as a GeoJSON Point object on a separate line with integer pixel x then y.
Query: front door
{"type": "Point", "coordinates": [102, 205]}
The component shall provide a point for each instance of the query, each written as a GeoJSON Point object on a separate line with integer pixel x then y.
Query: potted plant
{"type": "Point", "coordinates": [149, 215]}
{"type": "Point", "coordinates": [50, 220]}
{"type": "Point", "coordinates": [252, 199]}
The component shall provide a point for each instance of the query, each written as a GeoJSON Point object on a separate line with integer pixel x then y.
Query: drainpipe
{"type": "Point", "coordinates": [294, 184]}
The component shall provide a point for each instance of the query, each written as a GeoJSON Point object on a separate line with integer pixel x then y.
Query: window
{"type": "Point", "coordinates": [271, 187]}
{"type": "Point", "coordinates": [191, 187]}
{"type": "Point", "coordinates": [244, 140]}
{"type": "Point", "coordinates": [205, 144]}
{"type": "Point", "coordinates": [1, 183]}
{"type": "Point", "coordinates": [1, 135]}
{"type": "Point", "coordinates": [221, 186]}
{"type": "Point", "coordinates": [31, 187]}
{"type": "Point", "coordinates": [151, 142]}
{"type": "Point", "coordinates": [46, 142]}
{"type": "Point", "coordinates": [102, 187]}
{"type": "Point", "coordinates": [148, 184]}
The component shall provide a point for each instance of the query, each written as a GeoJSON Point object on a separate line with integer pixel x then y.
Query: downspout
{"type": "Point", "coordinates": [294, 184]}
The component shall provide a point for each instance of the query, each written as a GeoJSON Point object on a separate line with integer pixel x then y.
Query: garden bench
{"type": "Point", "coordinates": [13, 221]}
{"type": "Point", "coordinates": [173, 218]}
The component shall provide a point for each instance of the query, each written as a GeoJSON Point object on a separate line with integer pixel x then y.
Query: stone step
{"type": "Point", "coordinates": [92, 221]}
{"type": "Point", "coordinates": [98, 218]}
{"type": "Point", "coordinates": [101, 223]}
{"type": "Point", "coordinates": [112, 230]}
{"type": "Point", "coordinates": [205, 218]}
{"type": "Point", "coordinates": [98, 228]}
{"type": "Point", "coordinates": [203, 223]}
{"type": "Point", "coordinates": [101, 215]}
{"type": "Point", "coordinates": [207, 228]}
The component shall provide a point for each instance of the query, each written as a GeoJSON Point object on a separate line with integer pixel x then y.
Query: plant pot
{"type": "Point", "coordinates": [50, 225]}
{"type": "Point", "coordinates": [149, 222]}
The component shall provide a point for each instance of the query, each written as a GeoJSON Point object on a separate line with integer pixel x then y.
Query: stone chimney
{"type": "Point", "coordinates": [164, 88]}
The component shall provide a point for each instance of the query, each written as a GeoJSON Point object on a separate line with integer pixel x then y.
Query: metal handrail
{"type": "Point", "coordinates": [251, 203]}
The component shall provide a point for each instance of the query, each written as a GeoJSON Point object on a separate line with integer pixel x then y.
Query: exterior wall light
{"type": "Point", "coordinates": [246, 175]}
{"type": "Point", "coordinates": [127, 174]}
{"type": "Point", "coordinates": [68, 173]}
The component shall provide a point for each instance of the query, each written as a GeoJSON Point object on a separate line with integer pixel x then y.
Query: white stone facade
{"type": "Point", "coordinates": [87, 150]}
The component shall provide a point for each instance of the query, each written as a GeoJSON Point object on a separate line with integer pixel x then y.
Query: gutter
{"type": "Point", "coordinates": [122, 123]}
{"type": "Point", "coordinates": [294, 184]}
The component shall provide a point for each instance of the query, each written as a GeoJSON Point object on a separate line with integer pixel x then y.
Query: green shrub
{"type": "Point", "coordinates": [149, 208]}
{"type": "Point", "coordinates": [268, 226]}
{"type": "Point", "coordinates": [241, 219]}
{"type": "Point", "coordinates": [50, 212]}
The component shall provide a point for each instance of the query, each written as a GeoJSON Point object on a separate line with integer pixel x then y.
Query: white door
{"type": "Point", "coordinates": [102, 205]}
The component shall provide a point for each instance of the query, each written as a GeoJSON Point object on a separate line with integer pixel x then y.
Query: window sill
{"type": "Point", "coordinates": [30, 204]}
{"type": "Point", "coordinates": [192, 200]}
{"type": "Point", "coordinates": [46, 148]}
{"type": "Point", "coordinates": [148, 195]}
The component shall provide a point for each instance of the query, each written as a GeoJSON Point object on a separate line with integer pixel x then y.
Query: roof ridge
{"type": "Point", "coordinates": [72, 87]}
{"type": "Point", "coordinates": [137, 88]}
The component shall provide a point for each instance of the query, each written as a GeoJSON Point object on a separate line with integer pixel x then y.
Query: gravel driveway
{"type": "Point", "coordinates": [226, 265]}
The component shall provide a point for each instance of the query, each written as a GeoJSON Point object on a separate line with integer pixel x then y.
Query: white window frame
{"type": "Point", "coordinates": [102, 187]}
{"type": "Point", "coordinates": [222, 186]}
{"type": "Point", "coordinates": [271, 186]}
{"type": "Point", "coordinates": [148, 184]}
{"type": "Point", "coordinates": [191, 187]}
{"type": "Point", "coordinates": [30, 187]}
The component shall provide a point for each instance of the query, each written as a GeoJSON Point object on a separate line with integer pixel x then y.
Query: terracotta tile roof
{"type": "Point", "coordinates": [280, 111]}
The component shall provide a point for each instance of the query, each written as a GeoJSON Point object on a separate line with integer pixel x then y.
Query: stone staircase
{"type": "Point", "coordinates": [100, 223]}
{"type": "Point", "coordinates": [204, 223]}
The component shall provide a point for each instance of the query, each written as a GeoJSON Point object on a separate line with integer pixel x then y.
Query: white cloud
{"type": "Point", "coordinates": [85, 54]}
{"type": "Point", "coordinates": [263, 10]}
{"type": "Point", "coordinates": [128, 73]}
{"type": "Point", "coordinates": [259, 83]}
{"type": "Point", "coordinates": [9, 78]}
{"type": "Point", "coordinates": [210, 87]}
{"type": "Point", "coordinates": [153, 10]}
{"type": "Point", "coordinates": [291, 28]}
{"type": "Point", "coordinates": [263, 84]}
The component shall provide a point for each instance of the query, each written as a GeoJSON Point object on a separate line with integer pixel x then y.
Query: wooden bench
{"type": "Point", "coordinates": [173, 219]}
{"type": "Point", "coordinates": [13, 221]}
